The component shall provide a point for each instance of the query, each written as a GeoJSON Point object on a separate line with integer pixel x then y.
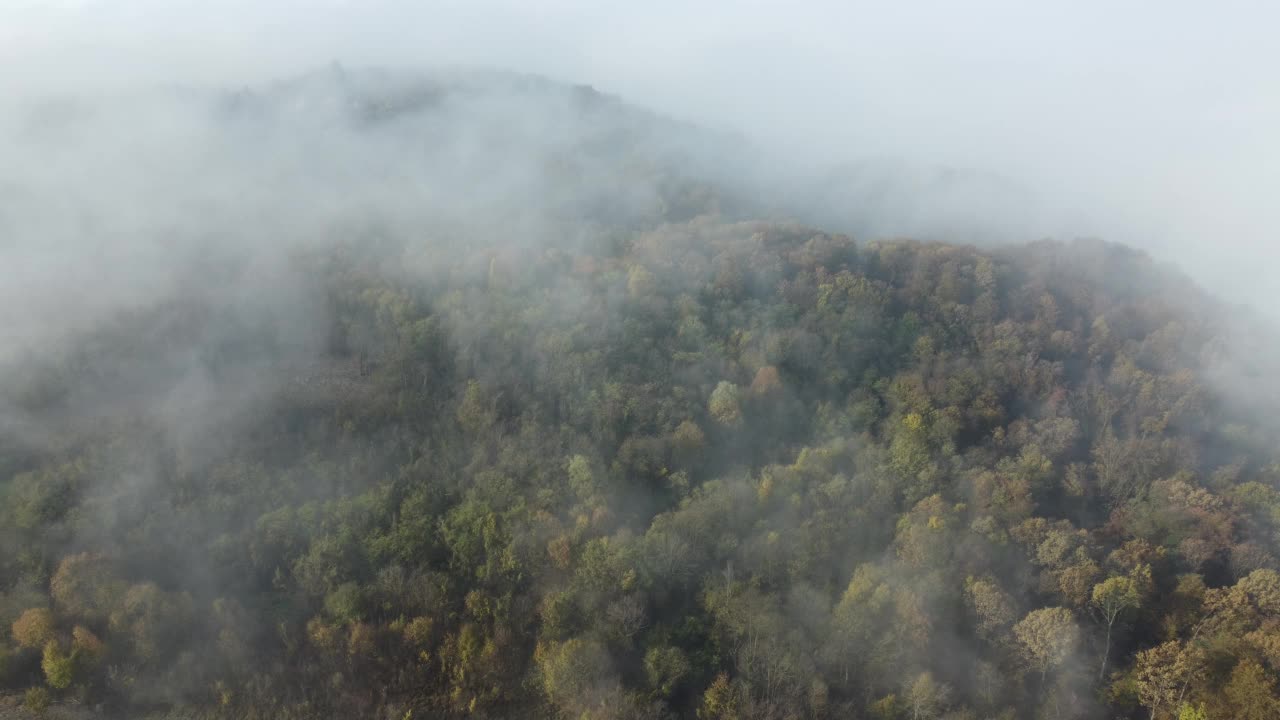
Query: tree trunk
{"type": "Point", "coordinates": [1106, 654]}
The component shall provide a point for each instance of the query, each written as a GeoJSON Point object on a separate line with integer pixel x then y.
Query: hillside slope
{"type": "Point", "coordinates": [642, 466]}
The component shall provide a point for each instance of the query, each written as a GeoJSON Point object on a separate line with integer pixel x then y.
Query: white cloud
{"type": "Point", "coordinates": [1153, 121]}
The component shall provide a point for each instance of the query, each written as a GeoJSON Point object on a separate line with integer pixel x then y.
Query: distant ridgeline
{"type": "Point", "coordinates": [669, 466]}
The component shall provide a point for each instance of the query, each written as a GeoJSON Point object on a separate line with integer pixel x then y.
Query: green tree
{"type": "Point", "coordinates": [1192, 712]}
{"type": "Point", "coordinates": [58, 666]}
{"type": "Point", "coordinates": [724, 405]}
{"type": "Point", "coordinates": [345, 603]}
{"type": "Point", "coordinates": [476, 412]}
{"type": "Point", "coordinates": [1251, 692]}
{"type": "Point", "coordinates": [581, 477]}
{"type": "Point", "coordinates": [640, 282]}
{"type": "Point", "coordinates": [666, 667]}
{"type": "Point", "coordinates": [38, 700]}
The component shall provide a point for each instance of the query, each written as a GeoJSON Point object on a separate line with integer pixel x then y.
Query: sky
{"type": "Point", "coordinates": [1149, 123]}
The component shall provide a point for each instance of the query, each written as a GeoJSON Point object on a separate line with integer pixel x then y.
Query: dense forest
{"type": "Point", "coordinates": [677, 465]}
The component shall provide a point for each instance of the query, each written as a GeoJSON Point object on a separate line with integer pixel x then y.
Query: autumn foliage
{"type": "Point", "coordinates": [691, 469]}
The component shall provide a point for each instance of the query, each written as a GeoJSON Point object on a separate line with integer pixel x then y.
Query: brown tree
{"type": "Point", "coordinates": [33, 628]}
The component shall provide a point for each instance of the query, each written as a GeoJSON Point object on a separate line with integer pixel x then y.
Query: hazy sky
{"type": "Point", "coordinates": [1158, 123]}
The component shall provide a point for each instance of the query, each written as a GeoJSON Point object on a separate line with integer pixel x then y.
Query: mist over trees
{"type": "Point", "coordinates": [480, 396]}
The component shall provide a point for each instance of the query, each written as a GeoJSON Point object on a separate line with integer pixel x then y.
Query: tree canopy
{"type": "Point", "coordinates": [688, 467]}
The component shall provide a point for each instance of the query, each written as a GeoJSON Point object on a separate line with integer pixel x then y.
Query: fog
{"type": "Point", "coordinates": [1150, 124]}
{"type": "Point", "coordinates": [326, 319]}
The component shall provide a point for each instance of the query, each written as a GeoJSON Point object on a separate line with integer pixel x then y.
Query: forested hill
{"type": "Point", "coordinates": [677, 466]}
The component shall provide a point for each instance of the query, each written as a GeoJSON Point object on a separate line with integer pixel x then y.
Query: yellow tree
{"type": "Point", "coordinates": [724, 404]}
{"type": "Point", "coordinates": [1111, 598]}
{"type": "Point", "coordinates": [1251, 693]}
{"type": "Point", "coordinates": [927, 698]}
{"type": "Point", "coordinates": [575, 674]}
{"type": "Point", "coordinates": [720, 701]}
{"type": "Point", "coordinates": [1160, 672]}
{"type": "Point", "coordinates": [992, 607]}
{"type": "Point", "coordinates": [1047, 637]}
